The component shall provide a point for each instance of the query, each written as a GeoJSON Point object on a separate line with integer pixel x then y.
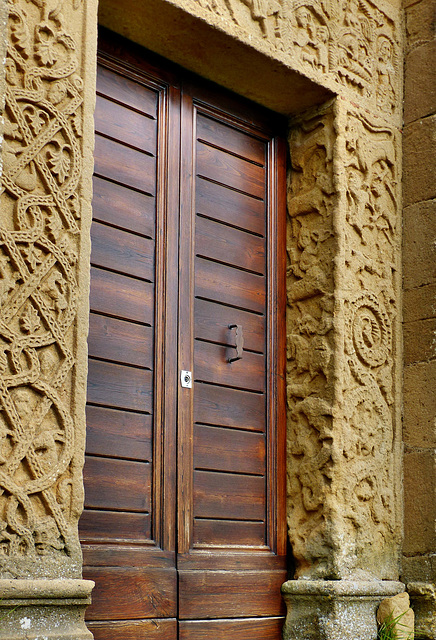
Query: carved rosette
{"type": "Point", "coordinates": [354, 42]}
{"type": "Point", "coordinates": [40, 466]}
{"type": "Point", "coordinates": [341, 326]}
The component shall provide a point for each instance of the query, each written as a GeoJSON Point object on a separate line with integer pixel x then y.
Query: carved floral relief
{"type": "Point", "coordinates": [40, 497]}
{"type": "Point", "coordinates": [352, 41]}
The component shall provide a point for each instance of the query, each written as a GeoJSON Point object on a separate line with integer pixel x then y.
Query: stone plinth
{"type": "Point", "coordinates": [46, 609]}
{"type": "Point", "coordinates": [334, 609]}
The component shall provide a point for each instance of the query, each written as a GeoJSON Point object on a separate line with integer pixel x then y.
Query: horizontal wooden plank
{"type": "Point", "coordinates": [114, 385]}
{"type": "Point", "coordinates": [229, 407]}
{"type": "Point", "coordinates": [154, 629]}
{"type": "Point", "coordinates": [253, 628]}
{"type": "Point", "coordinates": [132, 555]}
{"type": "Point", "coordinates": [222, 594]}
{"type": "Point", "coordinates": [98, 526]}
{"type": "Point", "coordinates": [227, 244]}
{"type": "Point", "coordinates": [229, 170]}
{"type": "Point", "coordinates": [122, 251]}
{"type": "Point", "coordinates": [131, 593]}
{"type": "Point", "coordinates": [122, 485]}
{"type": "Point", "coordinates": [126, 91]}
{"type": "Point", "coordinates": [211, 365]}
{"type": "Point", "coordinates": [231, 533]}
{"type": "Point", "coordinates": [221, 283]}
{"type": "Point", "coordinates": [120, 340]}
{"type": "Point", "coordinates": [123, 207]}
{"type": "Point", "coordinates": [125, 125]}
{"type": "Point", "coordinates": [228, 496]}
{"type": "Point", "coordinates": [120, 163]}
{"type": "Point", "coordinates": [220, 449]}
{"type": "Point", "coordinates": [121, 296]}
{"type": "Point", "coordinates": [212, 323]}
{"type": "Point", "coordinates": [220, 203]}
{"type": "Point", "coordinates": [230, 139]}
{"type": "Point", "coordinates": [120, 434]}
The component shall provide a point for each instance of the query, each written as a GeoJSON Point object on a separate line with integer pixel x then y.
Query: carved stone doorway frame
{"type": "Point", "coordinates": [334, 69]}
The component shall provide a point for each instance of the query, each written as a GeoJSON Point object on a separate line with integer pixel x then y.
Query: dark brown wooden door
{"type": "Point", "coordinates": [184, 525]}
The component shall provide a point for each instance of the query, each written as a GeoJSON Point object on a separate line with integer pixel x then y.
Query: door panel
{"type": "Point", "coordinates": [187, 242]}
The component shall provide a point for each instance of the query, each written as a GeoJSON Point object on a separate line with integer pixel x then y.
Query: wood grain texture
{"type": "Point", "coordinates": [122, 485]}
{"type": "Point", "coordinates": [121, 251]}
{"type": "Point", "coordinates": [123, 207]}
{"type": "Point", "coordinates": [221, 203]}
{"type": "Point", "coordinates": [154, 629]}
{"type": "Point", "coordinates": [232, 246]}
{"type": "Point", "coordinates": [229, 407]}
{"type": "Point", "coordinates": [122, 434]}
{"type": "Point", "coordinates": [254, 629]}
{"type": "Point", "coordinates": [229, 450]}
{"type": "Point", "coordinates": [126, 91]}
{"type": "Point", "coordinates": [229, 138]}
{"type": "Point", "coordinates": [228, 533]}
{"type": "Point", "coordinates": [131, 593]}
{"type": "Point", "coordinates": [228, 496]}
{"type": "Point", "coordinates": [121, 387]}
{"type": "Point", "coordinates": [125, 125]}
{"type": "Point", "coordinates": [225, 594]}
{"type": "Point", "coordinates": [134, 299]}
{"type": "Point", "coordinates": [120, 341]}
{"type": "Point", "coordinates": [110, 526]}
{"type": "Point", "coordinates": [221, 283]}
{"type": "Point", "coordinates": [125, 165]}
{"type": "Point", "coordinates": [230, 170]}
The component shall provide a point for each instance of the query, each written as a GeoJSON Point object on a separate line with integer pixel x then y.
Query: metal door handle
{"type": "Point", "coordinates": [239, 340]}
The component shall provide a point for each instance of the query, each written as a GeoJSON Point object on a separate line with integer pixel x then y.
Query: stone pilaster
{"type": "Point", "coordinates": [44, 264]}
{"type": "Point", "coordinates": [344, 440]}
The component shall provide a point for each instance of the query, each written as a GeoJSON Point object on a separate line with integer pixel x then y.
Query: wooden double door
{"type": "Point", "coordinates": [184, 522]}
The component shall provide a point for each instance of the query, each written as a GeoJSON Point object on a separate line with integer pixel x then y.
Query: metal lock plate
{"type": "Point", "coordinates": [186, 379]}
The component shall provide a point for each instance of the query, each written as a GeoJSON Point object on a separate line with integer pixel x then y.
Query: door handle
{"type": "Point", "coordinates": [239, 342]}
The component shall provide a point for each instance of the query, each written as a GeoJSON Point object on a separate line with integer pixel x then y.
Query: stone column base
{"type": "Point", "coordinates": [44, 609]}
{"type": "Point", "coordinates": [334, 610]}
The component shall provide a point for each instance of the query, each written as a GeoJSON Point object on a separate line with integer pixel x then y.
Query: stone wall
{"type": "Point", "coordinates": [419, 265]}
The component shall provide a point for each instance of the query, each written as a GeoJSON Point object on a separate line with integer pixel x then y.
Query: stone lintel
{"type": "Point", "coordinates": [45, 609]}
{"type": "Point", "coordinates": [334, 609]}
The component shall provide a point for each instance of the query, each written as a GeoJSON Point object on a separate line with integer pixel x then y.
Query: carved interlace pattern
{"type": "Point", "coordinates": [350, 40]}
{"type": "Point", "coordinates": [342, 239]}
{"type": "Point", "coordinates": [39, 240]}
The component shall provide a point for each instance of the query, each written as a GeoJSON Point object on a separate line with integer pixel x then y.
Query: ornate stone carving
{"type": "Point", "coordinates": [311, 248]}
{"type": "Point", "coordinates": [40, 482]}
{"type": "Point", "coordinates": [353, 42]}
{"type": "Point", "coordinates": [342, 244]}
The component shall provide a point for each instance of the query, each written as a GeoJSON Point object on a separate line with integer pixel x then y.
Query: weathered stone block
{"type": "Point", "coordinates": [419, 426]}
{"type": "Point", "coordinates": [420, 501]}
{"type": "Point", "coordinates": [420, 21]}
{"type": "Point", "coordinates": [419, 155]}
{"type": "Point", "coordinates": [419, 244]}
{"type": "Point", "coordinates": [419, 341]}
{"type": "Point", "coordinates": [420, 82]}
{"type": "Point", "coordinates": [420, 303]}
{"type": "Point", "coordinates": [396, 611]}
